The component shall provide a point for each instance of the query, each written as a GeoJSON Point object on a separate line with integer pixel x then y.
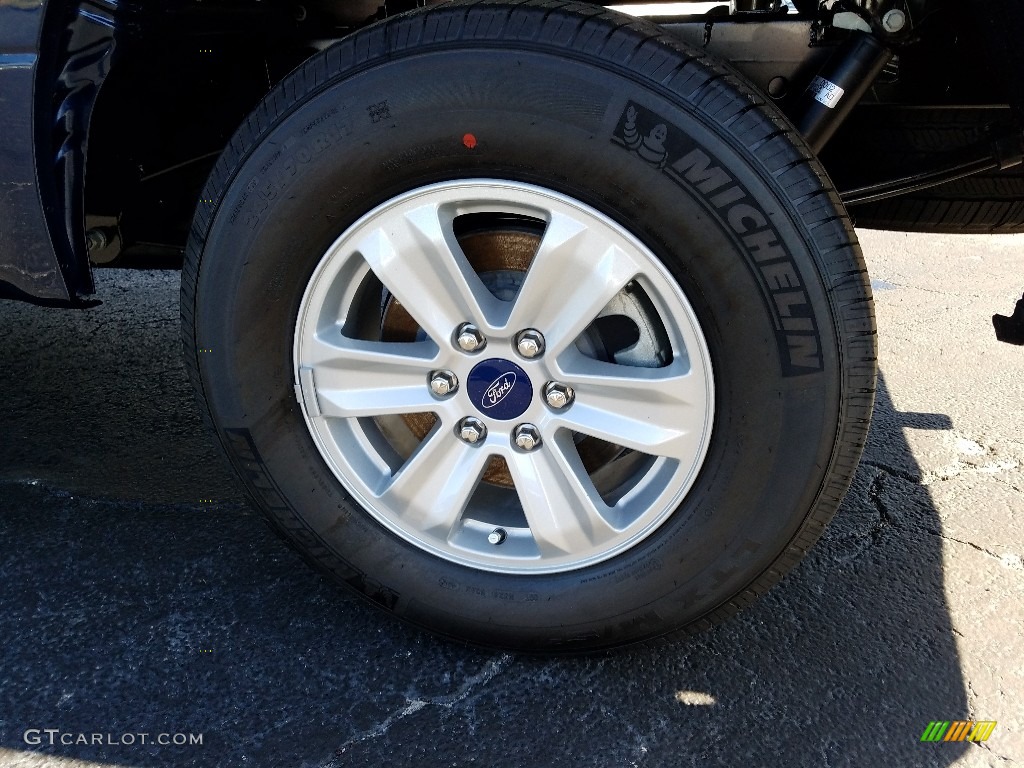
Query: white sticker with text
{"type": "Point", "coordinates": [826, 92]}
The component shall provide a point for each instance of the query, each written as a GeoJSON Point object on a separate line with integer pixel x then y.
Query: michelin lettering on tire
{"type": "Point", "coordinates": [670, 150]}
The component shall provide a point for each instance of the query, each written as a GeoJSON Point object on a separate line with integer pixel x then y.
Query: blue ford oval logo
{"type": "Point", "coordinates": [499, 389]}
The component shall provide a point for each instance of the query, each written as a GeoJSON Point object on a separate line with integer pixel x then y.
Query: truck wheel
{"type": "Point", "coordinates": [531, 325]}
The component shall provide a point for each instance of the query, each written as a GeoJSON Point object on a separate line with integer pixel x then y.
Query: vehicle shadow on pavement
{"type": "Point", "coordinates": [128, 605]}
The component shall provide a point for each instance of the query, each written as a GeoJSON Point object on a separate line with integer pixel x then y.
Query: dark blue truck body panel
{"type": "Point", "coordinates": [28, 259]}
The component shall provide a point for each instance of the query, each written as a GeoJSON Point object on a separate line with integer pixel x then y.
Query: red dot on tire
{"type": "Point", "coordinates": [469, 140]}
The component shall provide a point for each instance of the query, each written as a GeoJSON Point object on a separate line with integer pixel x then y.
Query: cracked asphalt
{"type": "Point", "coordinates": [140, 594]}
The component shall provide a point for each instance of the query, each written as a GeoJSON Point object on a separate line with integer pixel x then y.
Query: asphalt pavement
{"type": "Point", "coordinates": [140, 594]}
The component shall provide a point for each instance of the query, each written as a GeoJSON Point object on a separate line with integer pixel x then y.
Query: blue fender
{"type": "Point", "coordinates": [54, 55]}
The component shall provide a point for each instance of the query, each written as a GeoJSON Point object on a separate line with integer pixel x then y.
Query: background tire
{"type": "Point", "coordinates": [629, 126]}
{"type": "Point", "coordinates": [900, 141]}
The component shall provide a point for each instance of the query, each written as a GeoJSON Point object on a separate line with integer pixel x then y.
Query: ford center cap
{"type": "Point", "coordinates": [499, 389]}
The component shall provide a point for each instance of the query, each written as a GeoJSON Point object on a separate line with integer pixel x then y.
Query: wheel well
{"type": "Point", "coordinates": [184, 77]}
{"type": "Point", "coordinates": [171, 102]}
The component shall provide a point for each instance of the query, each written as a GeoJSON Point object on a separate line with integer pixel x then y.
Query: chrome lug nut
{"type": "Point", "coordinates": [558, 395]}
{"type": "Point", "coordinates": [471, 430]}
{"type": "Point", "coordinates": [530, 343]}
{"type": "Point", "coordinates": [526, 436]}
{"type": "Point", "coordinates": [469, 338]}
{"type": "Point", "coordinates": [894, 21]}
{"type": "Point", "coordinates": [496, 536]}
{"type": "Point", "coordinates": [443, 383]}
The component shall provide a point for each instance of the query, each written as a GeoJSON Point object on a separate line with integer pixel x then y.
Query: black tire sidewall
{"type": "Point", "coordinates": [545, 120]}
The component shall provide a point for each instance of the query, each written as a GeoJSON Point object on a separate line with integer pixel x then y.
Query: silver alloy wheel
{"type": "Point", "coordinates": [651, 403]}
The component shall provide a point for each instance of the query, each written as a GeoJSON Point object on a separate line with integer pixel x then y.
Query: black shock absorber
{"type": "Point", "coordinates": [835, 91]}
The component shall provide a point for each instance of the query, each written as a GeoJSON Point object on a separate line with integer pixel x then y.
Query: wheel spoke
{"type": "Point", "coordinates": [562, 507]}
{"type": "Point", "coordinates": [372, 378]}
{"type": "Point", "coordinates": [435, 484]}
{"type": "Point", "coordinates": [658, 411]}
{"type": "Point", "coordinates": [418, 259]}
{"type": "Point", "coordinates": [574, 274]}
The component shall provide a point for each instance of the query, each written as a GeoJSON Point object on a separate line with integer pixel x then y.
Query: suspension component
{"type": "Point", "coordinates": [835, 91]}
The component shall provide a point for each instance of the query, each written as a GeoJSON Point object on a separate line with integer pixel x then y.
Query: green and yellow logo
{"type": "Point", "coordinates": [958, 730]}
